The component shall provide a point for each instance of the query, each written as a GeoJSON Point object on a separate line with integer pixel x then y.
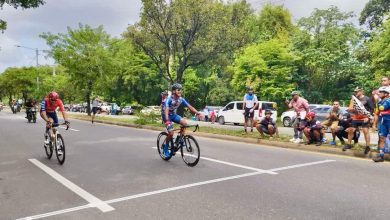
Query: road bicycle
{"type": "Point", "coordinates": [55, 143]}
{"type": "Point", "coordinates": [187, 144]}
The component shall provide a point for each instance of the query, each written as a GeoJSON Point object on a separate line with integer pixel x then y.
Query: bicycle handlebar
{"type": "Point", "coordinates": [189, 126]}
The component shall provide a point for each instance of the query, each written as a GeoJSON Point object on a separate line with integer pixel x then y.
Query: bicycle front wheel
{"type": "Point", "coordinates": [49, 150]}
{"type": "Point", "coordinates": [190, 151]}
{"type": "Point", "coordinates": [60, 149]}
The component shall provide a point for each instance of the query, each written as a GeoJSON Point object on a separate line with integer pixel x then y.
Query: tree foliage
{"type": "Point", "coordinates": [24, 4]}
{"type": "Point", "coordinates": [374, 13]}
{"type": "Point", "coordinates": [180, 34]}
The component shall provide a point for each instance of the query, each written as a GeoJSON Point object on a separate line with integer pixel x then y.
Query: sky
{"type": "Point", "coordinates": [25, 26]}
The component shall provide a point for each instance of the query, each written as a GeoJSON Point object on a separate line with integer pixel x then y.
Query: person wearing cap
{"type": "Point", "coordinates": [384, 124]}
{"type": "Point", "coordinates": [312, 129]}
{"type": "Point", "coordinates": [301, 107]}
{"type": "Point", "coordinates": [385, 82]}
{"type": "Point", "coordinates": [359, 119]}
{"type": "Point", "coordinates": [267, 125]}
{"type": "Point", "coordinates": [250, 104]}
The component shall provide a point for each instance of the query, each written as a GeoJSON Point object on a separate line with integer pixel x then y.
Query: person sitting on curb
{"type": "Point", "coordinates": [384, 123]}
{"type": "Point", "coordinates": [301, 107]}
{"type": "Point", "coordinates": [267, 125]}
{"type": "Point", "coordinates": [343, 128]}
{"type": "Point", "coordinates": [332, 120]}
{"type": "Point", "coordinates": [312, 129]}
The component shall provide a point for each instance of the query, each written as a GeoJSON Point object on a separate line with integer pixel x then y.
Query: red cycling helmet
{"type": "Point", "coordinates": [53, 96]}
{"type": "Point", "coordinates": [310, 115]}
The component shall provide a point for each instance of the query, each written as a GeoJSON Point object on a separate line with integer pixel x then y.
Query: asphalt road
{"type": "Point", "coordinates": [115, 173]}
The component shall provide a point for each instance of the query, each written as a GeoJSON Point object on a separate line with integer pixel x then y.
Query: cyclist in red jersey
{"type": "Point", "coordinates": [48, 111]}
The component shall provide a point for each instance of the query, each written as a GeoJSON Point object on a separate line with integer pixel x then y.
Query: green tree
{"type": "Point", "coordinates": [326, 43]}
{"type": "Point", "coordinates": [180, 34]}
{"type": "Point", "coordinates": [272, 22]}
{"type": "Point", "coordinates": [380, 52]}
{"type": "Point", "coordinates": [24, 4]}
{"type": "Point", "coordinates": [85, 55]}
{"type": "Point", "coordinates": [374, 13]}
{"type": "Point", "coordinates": [268, 67]}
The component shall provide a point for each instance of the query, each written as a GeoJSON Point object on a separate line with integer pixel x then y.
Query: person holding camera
{"type": "Point", "coordinates": [301, 108]}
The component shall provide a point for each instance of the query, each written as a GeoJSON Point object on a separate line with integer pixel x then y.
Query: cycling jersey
{"type": "Point", "coordinates": [47, 106]}
{"type": "Point", "coordinates": [172, 103]}
{"type": "Point", "coordinates": [250, 100]}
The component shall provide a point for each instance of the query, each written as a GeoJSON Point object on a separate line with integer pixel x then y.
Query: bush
{"type": "Point", "coordinates": [144, 119]}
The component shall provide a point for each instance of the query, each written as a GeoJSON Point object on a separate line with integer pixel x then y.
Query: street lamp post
{"type": "Point", "coordinates": [36, 59]}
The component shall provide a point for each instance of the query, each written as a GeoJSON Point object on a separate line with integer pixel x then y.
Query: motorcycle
{"type": "Point", "coordinates": [31, 114]}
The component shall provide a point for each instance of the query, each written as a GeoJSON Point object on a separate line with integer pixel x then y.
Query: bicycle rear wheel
{"type": "Point", "coordinates": [60, 145]}
{"type": "Point", "coordinates": [161, 139]}
{"type": "Point", "coordinates": [190, 151]}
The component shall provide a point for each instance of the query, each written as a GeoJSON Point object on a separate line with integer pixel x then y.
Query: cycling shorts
{"type": "Point", "coordinates": [384, 129]}
{"type": "Point", "coordinates": [53, 115]}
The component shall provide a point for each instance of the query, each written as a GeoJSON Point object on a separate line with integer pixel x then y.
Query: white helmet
{"type": "Point", "coordinates": [385, 89]}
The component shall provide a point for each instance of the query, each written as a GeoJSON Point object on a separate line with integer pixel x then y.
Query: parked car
{"type": "Point", "coordinates": [127, 110]}
{"type": "Point", "coordinates": [77, 108]}
{"type": "Point", "coordinates": [105, 107]}
{"type": "Point", "coordinates": [115, 109]}
{"type": "Point", "coordinates": [233, 112]}
{"type": "Point", "coordinates": [288, 117]}
{"type": "Point", "coordinates": [151, 109]}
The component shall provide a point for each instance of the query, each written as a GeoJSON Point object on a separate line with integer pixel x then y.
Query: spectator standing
{"type": "Point", "coordinates": [385, 82]}
{"type": "Point", "coordinates": [332, 120]}
{"type": "Point", "coordinates": [250, 104]}
{"type": "Point", "coordinates": [267, 125]}
{"type": "Point", "coordinates": [359, 119]}
{"type": "Point", "coordinates": [384, 124]}
{"type": "Point", "coordinates": [206, 114]}
{"type": "Point", "coordinates": [301, 107]}
{"type": "Point", "coordinates": [95, 106]}
{"type": "Point", "coordinates": [163, 97]}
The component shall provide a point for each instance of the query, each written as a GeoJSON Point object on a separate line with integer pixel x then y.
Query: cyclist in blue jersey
{"type": "Point", "coordinates": [172, 103]}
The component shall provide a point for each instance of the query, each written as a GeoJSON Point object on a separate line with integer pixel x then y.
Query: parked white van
{"type": "Point", "coordinates": [234, 113]}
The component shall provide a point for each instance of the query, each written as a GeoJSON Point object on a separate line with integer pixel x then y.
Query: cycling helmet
{"type": "Point", "coordinates": [164, 93]}
{"type": "Point", "coordinates": [249, 88]}
{"type": "Point", "coordinates": [311, 115]}
{"type": "Point", "coordinates": [268, 111]}
{"type": "Point", "coordinates": [384, 89]}
{"type": "Point", "coordinates": [53, 96]}
{"type": "Point", "coordinates": [176, 86]}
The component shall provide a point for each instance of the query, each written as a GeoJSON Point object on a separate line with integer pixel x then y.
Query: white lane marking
{"type": "Point", "coordinates": [77, 208]}
{"type": "Point", "coordinates": [94, 202]}
{"type": "Point", "coordinates": [58, 212]}
{"type": "Point", "coordinates": [181, 187]}
{"type": "Point", "coordinates": [234, 164]}
{"type": "Point", "coordinates": [302, 165]}
{"type": "Point", "coordinates": [69, 128]}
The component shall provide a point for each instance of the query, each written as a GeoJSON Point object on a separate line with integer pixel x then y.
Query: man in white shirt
{"type": "Point", "coordinates": [95, 105]}
{"type": "Point", "coordinates": [250, 104]}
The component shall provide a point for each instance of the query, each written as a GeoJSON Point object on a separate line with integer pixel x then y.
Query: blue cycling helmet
{"type": "Point", "coordinates": [176, 86]}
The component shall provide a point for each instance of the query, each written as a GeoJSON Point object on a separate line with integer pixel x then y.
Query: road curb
{"type": "Point", "coordinates": [279, 144]}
